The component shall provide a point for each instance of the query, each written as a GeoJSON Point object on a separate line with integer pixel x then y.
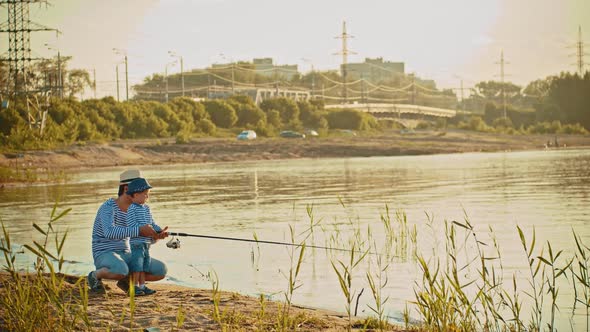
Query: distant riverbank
{"type": "Point", "coordinates": [159, 152]}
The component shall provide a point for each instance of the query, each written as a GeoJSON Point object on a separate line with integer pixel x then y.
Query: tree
{"type": "Point", "coordinates": [287, 108]}
{"type": "Point", "coordinates": [222, 114]}
{"type": "Point", "coordinates": [249, 115]}
{"type": "Point", "coordinates": [569, 93]}
{"type": "Point", "coordinates": [492, 90]}
{"type": "Point", "coordinates": [77, 81]}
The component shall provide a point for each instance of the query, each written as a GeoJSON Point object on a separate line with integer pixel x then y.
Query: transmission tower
{"type": "Point", "coordinates": [19, 28]}
{"type": "Point", "coordinates": [580, 53]}
{"type": "Point", "coordinates": [344, 52]}
{"type": "Point", "coordinates": [502, 62]}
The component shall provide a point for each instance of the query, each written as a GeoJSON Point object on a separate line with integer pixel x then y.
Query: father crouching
{"type": "Point", "coordinates": [110, 240]}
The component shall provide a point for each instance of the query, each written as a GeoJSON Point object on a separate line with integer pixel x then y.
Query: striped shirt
{"type": "Point", "coordinates": [139, 215]}
{"type": "Point", "coordinates": [110, 231]}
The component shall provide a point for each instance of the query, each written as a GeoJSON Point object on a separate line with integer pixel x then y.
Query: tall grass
{"type": "Point", "coordinates": [42, 300]}
{"type": "Point", "coordinates": [581, 277]}
{"type": "Point", "coordinates": [345, 269]}
{"type": "Point", "coordinates": [284, 319]}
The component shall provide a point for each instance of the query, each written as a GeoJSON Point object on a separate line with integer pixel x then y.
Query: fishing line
{"type": "Point", "coordinates": [176, 245]}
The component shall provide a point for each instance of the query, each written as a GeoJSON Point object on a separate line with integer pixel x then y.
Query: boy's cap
{"type": "Point", "coordinates": [137, 186]}
{"type": "Point", "coordinates": [129, 175]}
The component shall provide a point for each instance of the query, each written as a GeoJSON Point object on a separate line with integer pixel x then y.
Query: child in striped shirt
{"type": "Point", "coordinates": [139, 214]}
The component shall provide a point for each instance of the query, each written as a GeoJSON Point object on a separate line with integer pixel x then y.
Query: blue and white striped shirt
{"type": "Point", "coordinates": [139, 215]}
{"type": "Point", "coordinates": [110, 231]}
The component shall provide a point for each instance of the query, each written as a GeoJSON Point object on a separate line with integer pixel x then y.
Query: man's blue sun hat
{"type": "Point", "coordinates": [137, 186]}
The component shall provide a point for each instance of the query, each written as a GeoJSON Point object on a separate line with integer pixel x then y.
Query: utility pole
{"type": "Point", "coordinates": [123, 52]}
{"type": "Point", "coordinates": [462, 99]}
{"type": "Point", "coordinates": [502, 75]}
{"type": "Point", "coordinates": [182, 74]}
{"type": "Point", "coordinates": [166, 79]}
{"type": "Point", "coordinates": [117, 70]}
{"type": "Point", "coordinates": [173, 54]}
{"type": "Point", "coordinates": [126, 80]}
{"type": "Point", "coordinates": [232, 79]}
{"type": "Point", "coordinates": [59, 76]}
{"type": "Point", "coordinates": [94, 82]}
{"type": "Point", "coordinates": [344, 52]}
{"type": "Point", "coordinates": [413, 89]}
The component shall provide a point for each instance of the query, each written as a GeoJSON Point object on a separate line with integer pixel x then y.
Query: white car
{"type": "Point", "coordinates": [247, 135]}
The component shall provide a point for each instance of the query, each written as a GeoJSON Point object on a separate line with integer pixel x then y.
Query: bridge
{"type": "Point", "coordinates": [397, 110]}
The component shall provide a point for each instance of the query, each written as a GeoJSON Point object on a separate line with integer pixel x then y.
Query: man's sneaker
{"type": "Point", "coordinates": [94, 283]}
{"type": "Point", "coordinates": [139, 292]}
{"type": "Point", "coordinates": [148, 291]}
{"type": "Point", "coordinates": [123, 284]}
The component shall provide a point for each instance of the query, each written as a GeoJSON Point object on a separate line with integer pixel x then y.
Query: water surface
{"type": "Point", "coordinates": [544, 190]}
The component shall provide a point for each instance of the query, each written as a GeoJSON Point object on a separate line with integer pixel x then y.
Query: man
{"type": "Point", "coordinates": [110, 240]}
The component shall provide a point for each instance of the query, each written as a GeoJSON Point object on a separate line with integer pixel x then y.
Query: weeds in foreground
{"type": "Point", "coordinates": [555, 272]}
{"type": "Point", "coordinates": [284, 321]}
{"type": "Point", "coordinates": [536, 279]}
{"type": "Point", "coordinates": [344, 270]}
{"type": "Point", "coordinates": [216, 299]}
{"type": "Point", "coordinates": [580, 272]}
{"type": "Point", "coordinates": [377, 282]}
{"type": "Point", "coordinates": [42, 300]}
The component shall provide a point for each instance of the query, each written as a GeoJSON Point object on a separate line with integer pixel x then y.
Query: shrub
{"type": "Point", "coordinates": [287, 108]}
{"type": "Point", "coordinates": [183, 137]}
{"type": "Point", "coordinates": [502, 123]}
{"type": "Point", "coordinates": [222, 113]}
{"type": "Point", "coordinates": [350, 119]}
{"type": "Point", "coordinates": [249, 114]}
{"type": "Point", "coordinates": [206, 126]}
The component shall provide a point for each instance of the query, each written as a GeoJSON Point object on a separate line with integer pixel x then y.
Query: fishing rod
{"type": "Point", "coordinates": [175, 243]}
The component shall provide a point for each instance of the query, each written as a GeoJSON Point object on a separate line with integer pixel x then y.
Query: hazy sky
{"type": "Point", "coordinates": [437, 39]}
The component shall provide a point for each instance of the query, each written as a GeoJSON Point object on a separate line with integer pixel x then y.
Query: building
{"type": "Point", "coordinates": [265, 67]}
{"type": "Point", "coordinates": [375, 70]}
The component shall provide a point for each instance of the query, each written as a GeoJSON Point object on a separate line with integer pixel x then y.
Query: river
{"type": "Point", "coordinates": [548, 191]}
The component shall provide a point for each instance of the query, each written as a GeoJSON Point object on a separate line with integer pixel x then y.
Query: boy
{"type": "Point", "coordinates": [139, 214]}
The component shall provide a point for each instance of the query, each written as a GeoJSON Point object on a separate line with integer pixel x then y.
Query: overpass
{"type": "Point", "coordinates": [380, 110]}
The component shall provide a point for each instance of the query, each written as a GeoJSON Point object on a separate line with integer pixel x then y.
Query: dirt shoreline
{"type": "Point", "coordinates": [161, 152]}
{"type": "Point", "coordinates": [178, 308]}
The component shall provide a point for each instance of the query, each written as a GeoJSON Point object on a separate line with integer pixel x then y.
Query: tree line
{"type": "Point", "coordinates": [69, 120]}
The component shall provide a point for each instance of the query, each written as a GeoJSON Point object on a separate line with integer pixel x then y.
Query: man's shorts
{"type": "Point", "coordinates": [140, 257]}
{"type": "Point", "coordinates": [117, 262]}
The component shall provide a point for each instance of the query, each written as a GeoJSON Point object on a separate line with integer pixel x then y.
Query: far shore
{"type": "Point", "coordinates": [200, 150]}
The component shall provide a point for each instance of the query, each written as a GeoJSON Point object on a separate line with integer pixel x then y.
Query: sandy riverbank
{"type": "Point", "coordinates": [177, 308]}
{"type": "Point", "coordinates": [158, 152]}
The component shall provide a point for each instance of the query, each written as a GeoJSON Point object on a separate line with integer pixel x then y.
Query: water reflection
{"type": "Point", "coordinates": [547, 190]}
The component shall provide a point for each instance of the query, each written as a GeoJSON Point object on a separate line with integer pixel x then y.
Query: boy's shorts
{"type": "Point", "coordinates": [140, 257]}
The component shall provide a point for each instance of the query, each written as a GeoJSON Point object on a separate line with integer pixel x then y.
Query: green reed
{"type": "Point", "coordinates": [377, 281]}
{"type": "Point", "coordinates": [581, 277]}
{"type": "Point", "coordinates": [293, 283]}
{"type": "Point", "coordinates": [180, 316]}
{"type": "Point", "coordinates": [551, 280]}
{"type": "Point", "coordinates": [216, 299]}
{"type": "Point", "coordinates": [42, 300]}
{"type": "Point", "coordinates": [536, 279]}
{"type": "Point", "coordinates": [345, 269]}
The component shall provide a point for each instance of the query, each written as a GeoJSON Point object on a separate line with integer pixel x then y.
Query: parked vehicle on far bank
{"type": "Point", "coordinates": [291, 134]}
{"type": "Point", "coordinates": [246, 135]}
{"type": "Point", "coordinates": [311, 133]}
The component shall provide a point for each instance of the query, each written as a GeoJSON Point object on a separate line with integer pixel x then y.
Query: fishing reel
{"type": "Point", "coordinates": [174, 243]}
